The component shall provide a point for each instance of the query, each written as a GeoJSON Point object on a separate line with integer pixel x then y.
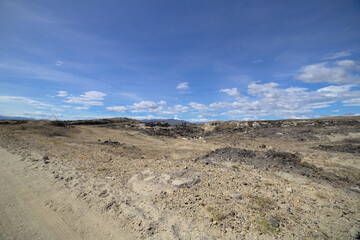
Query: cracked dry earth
{"type": "Point", "coordinates": [290, 179]}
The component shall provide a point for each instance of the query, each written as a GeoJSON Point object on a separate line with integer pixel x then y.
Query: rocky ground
{"type": "Point", "coordinates": [289, 179]}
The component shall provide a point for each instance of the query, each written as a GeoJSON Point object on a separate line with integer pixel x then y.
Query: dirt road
{"type": "Point", "coordinates": [24, 213]}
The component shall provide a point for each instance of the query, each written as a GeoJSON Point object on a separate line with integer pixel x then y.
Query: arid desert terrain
{"type": "Point", "coordinates": [124, 179]}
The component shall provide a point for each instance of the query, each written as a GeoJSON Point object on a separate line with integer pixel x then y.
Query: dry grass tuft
{"type": "Point", "coordinates": [264, 227]}
{"type": "Point", "coordinates": [260, 203]}
{"type": "Point", "coordinates": [216, 214]}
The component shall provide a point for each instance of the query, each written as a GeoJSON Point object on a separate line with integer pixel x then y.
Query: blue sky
{"type": "Point", "coordinates": [193, 60]}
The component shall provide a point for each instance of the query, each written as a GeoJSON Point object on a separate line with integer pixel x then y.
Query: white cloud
{"type": "Point", "coordinates": [183, 86]}
{"type": "Point", "coordinates": [349, 64]}
{"type": "Point", "coordinates": [339, 72]}
{"type": "Point", "coordinates": [333, 91]}
{"type": "Point", "coordinates": [258, 61]}
{"type": "Point", "coordinates": [271, 100]}
{"type": "Point", "coordinates": [179, 108]}
{"type": "Point", "coordinates": [42, 115]}
{"type": "Point", "coordinates": [250, 118]}
{"type": "Point", "coordinates": [93, 95]}
{"type": "Point", "coordinates": [57, 110]}
{"type": "Point", "coordinates": [146, 117]}
{"type": "Point", "coordinates": [255, 89]}
{"type": "Point", "coordinates": [355, 102]}
{"type": "Point", "coordinates": [82, 108]}
{"type": "Point", "coordinates": [337, 55]}
{"type": "Point", "coordinates": [264, 100]}
{"type": "Point", "coordinates": [198, 106]}
{"type": "Point", "coordinates": [151, 107]}
{"type": "Point", "coordinates": [145, 106]}
{"type": "Point", "coordinates": [195, 120]}
{"type": "Point", "coordinates": [220, 105]}
{"type": "Point", "coordinates": [231, 92]}
{"type": "Point", "coordinates": [59, 63]}
{"type": "Point", "coordinates": [25, 101]}
{"type": "Point", "coordinates": [120, 109]}
{"type": "Point", "coordinates": [62, 93]}
{"type": "Point", "coordinates": [90, 98]}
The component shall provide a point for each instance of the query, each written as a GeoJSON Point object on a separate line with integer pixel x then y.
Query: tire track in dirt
{"type": "Point", "coordinates": [23, 216]}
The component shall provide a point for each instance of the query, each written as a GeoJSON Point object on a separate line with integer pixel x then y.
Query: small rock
{"type": "Point", "coordinates": [273, 222]}
{"type": "Point", "coordinates": [46, 159]}
{"type": "Point", "coordinates": [185, 182]}
{"type": "Point", "coordinates": [289, 189]}
{"type": "Point", "coordinates": [236, 196]}
{"type": "Point", "coordinates": [103, 194]}
{"type": "Point", "coordinates": [232, 213]}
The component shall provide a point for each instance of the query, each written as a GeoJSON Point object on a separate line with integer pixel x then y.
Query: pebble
{"type": "Point", "coordinates": [236, 196]}
{"type": "Point", "coordinates": [273, 222]}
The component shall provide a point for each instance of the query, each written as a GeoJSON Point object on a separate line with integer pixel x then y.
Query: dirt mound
{"type": "Point", "coordinates": [301, 130]}
{"type": "Point", "coordinates": [278, 161]}
{"type": "Point", "coordinates": [346, 148]}
{"type": "Point", "coordinates": [175, 131]}
{"type": "Point", "coordinates": [260, 160]}
{"type": "Point", "coordinates": [112, 143]}
{"type": "Point", "coordinates": [157, 124]}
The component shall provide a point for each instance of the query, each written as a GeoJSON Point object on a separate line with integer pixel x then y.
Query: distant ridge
{"type": "Point", "coordinates": [15, 118]}
{"type": "Point", "coordinates": [169, 121]}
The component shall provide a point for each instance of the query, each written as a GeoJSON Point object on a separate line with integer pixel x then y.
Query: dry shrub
{"type": "Point", "coordinates": [260, 203]}
{"type": "Point", "coordinates": [216, 214]}
{"type": "Point", "coordinates": [265, 227]}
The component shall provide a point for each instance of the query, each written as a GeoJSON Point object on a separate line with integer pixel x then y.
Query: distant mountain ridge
{"type": "Point", "coordinates": [15, 118]}
{"type": "Point", "coordinates": [169, 121]}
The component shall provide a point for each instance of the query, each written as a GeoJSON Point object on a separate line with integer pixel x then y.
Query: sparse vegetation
{"type": "Point", "coordinates": [265, 227]}
{"type": "Point", "coordinates": [216, 214]}
{"type": "Point", "coordinates": [118, 167]}
{"type": "Point", "coordinates": [58, 123]}
{"type": "Point", "coordinates": [260, 203]}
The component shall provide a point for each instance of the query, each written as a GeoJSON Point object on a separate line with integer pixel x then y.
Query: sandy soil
{"type": "Point", "coordinates": [128, 180]}
{"type": "Point", "coordinates": [27, 208]}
